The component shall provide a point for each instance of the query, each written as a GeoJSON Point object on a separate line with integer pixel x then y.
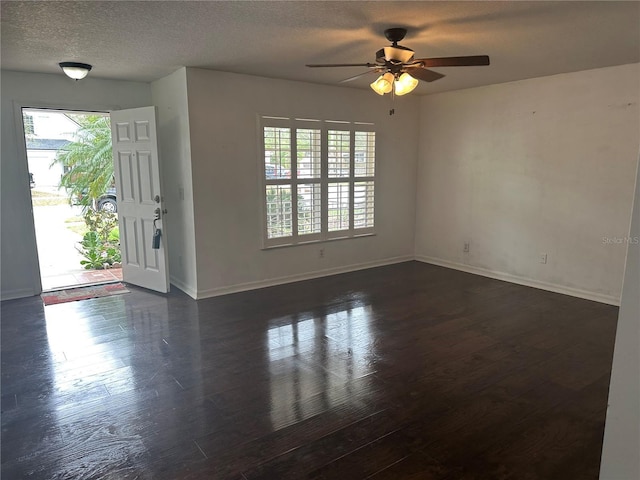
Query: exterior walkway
{"type": "Point", "coordinates": [57, 241]}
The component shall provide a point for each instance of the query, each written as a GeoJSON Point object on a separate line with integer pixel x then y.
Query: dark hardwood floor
{"type": "Point", "coordinates": [409, 371]}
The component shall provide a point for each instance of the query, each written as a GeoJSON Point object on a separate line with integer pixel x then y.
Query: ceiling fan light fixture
{"type": "Point", "coordinates": [405, 84]}
{"type": "Point", "coordinates": [383, 84]}
{"type": "Point", "coordinates": [76, 71]}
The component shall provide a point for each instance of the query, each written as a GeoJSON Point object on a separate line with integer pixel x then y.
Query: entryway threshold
{"type": "Point", "coordinates": [80, 278]}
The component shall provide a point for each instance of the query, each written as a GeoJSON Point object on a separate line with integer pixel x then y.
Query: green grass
{"type": "Point", "coordinates": [38, 194]}
{"type": "Point", "coordinates": [76, 225]}
{"type": "Point", "coordinates": [48, 199]}
{"type": "Point", "coordinates": [49, 202]}
{"type": "Point", "coordinates": [79, 228]}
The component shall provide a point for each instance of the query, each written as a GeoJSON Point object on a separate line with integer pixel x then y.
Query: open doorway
{"type": "Point", "coordinates": [73, 197]}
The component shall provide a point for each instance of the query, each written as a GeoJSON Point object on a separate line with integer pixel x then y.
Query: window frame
{"type": "Point", "coordinates": [295, 124]}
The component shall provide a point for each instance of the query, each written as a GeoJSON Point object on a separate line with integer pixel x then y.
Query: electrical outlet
{"type": "Point", "coordinates": [543, 258]}
{"type": "Point", "coordinates": [321, 253]}
{"type": "Point", "coordinates": [465, 249]}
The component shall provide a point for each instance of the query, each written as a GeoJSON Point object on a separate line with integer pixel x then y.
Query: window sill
{"type": "Point", "coordinates": [315, 242]}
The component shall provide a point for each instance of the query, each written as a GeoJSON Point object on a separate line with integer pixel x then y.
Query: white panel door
{"type": "Point", "coordinates": [137, 174]}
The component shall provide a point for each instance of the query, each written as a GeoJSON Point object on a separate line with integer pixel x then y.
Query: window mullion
{"type": "Point", "coordinates": [352, 173]}
{"type": "Point", "coordinates": [324, 181]}
{"type": "Point", "coordinates": [293, 168]}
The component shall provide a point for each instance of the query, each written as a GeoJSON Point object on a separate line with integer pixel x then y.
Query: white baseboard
{"type": "Point", "coordinates": [192, 292]}
{"type": "Point", "coordinates": [14, 294]}
{"type": "Point", "coordinates": [507, 277]}
{"type": "Point", "coordinates": [242, 287]}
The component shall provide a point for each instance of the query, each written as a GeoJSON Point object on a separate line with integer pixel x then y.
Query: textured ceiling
{"type": "Point", "coordinates": [146, 40]}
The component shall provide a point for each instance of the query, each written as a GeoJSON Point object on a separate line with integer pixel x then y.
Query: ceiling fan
{"type": "Point", "coordinates": [400, 71]}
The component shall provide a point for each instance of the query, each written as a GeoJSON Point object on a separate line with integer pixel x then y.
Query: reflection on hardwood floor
{"type": "Point", "coordinates": [409, 371]}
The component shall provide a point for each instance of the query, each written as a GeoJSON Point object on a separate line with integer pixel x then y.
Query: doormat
{"type": "Point", "coordinates": [83, 293]}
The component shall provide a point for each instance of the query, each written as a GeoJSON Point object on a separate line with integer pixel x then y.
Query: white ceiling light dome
{"type": "Point", "coordinates": [75, 70]}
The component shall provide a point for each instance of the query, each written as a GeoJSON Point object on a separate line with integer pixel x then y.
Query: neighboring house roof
{"type": "Point", "coordinates": [46, 144]}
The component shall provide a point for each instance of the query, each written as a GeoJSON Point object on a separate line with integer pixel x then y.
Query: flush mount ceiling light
{"type": "Point", "coordinates": [75, 70]}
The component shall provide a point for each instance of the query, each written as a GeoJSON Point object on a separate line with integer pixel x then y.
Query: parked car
{"type": "Point", "coordinates": [107, 202]}
{"type": "Point", "coordinates": [276, 171]}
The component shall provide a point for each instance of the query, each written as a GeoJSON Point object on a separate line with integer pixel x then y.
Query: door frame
{"type": "Point", "coordinates": [24, 166]}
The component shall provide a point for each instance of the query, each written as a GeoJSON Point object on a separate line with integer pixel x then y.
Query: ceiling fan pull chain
{"type": "Point", "coordinates": [392, 110]}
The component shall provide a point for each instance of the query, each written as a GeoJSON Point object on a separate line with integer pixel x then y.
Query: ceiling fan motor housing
{"type": "Point", "coordinates": [395, 35]}
{"type": "Point", "coordinates": [397, 54]}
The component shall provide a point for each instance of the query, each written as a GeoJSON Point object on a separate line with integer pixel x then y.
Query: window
{"type": "Point", "coordinates": [318, 180]}
{"type": "Point", "coordinates": [28, 124]}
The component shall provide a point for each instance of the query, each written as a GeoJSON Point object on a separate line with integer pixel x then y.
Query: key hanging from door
{"type": "Point", "coordinates": [157, 233]}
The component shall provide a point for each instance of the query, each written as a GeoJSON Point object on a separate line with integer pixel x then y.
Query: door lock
{"type": "Point", "coordinates": [155, 241]}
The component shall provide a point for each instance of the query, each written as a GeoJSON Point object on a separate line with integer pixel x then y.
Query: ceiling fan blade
{"type": "Point", "coordinates": [355, 77]}
{"type": "Point", "coordinates": [424, 74]}
{"type": "Point", "coordinates": [321, 65]}
{"type": "Point", "coordinates": [471, 61]}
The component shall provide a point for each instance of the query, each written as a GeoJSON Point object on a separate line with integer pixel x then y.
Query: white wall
{"type": "Point", "coordinates": [169, 95]}
{"type": "Point", "coordinates": [223, 109]}
{"type": "Point", "coordinates": [555, 181]}
{"type": "Point", "coordinates": [621, 448]}
{"type": "Point", "coordinates": [19, 275]}
{"type": "Point", "coordinates": [544, 165]}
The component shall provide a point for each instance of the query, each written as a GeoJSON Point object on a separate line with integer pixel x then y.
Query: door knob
{"type": "Point", "coordinates": [157, 198]}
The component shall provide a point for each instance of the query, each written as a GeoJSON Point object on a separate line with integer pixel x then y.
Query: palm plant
{"type": "Point", "coordinates": [88, 160]}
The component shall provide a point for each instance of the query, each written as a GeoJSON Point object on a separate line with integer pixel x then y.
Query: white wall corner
{"type": "Point", "coordinates": [621, 444]}
{"type": "Point", "coordinates": [543, 166]}
{"type": "Point", "coordinates": [188, 289]}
